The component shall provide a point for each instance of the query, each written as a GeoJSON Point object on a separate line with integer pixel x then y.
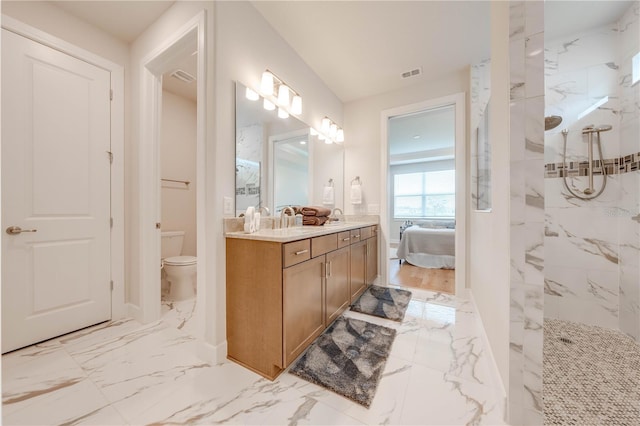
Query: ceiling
{"type": "Point", "coordinates": [361, 48]}
{"type": "Point", "coordinates": [125, 20]}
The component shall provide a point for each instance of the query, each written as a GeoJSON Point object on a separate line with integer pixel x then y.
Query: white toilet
{"type": "Point", "coordinates": [179, 271]}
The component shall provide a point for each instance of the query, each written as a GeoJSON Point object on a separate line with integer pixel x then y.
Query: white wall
{"type": "Point", "coordinates": [178, 161]}
{"type": "Point", "coordinates": [488, 241]}
{"type": "Point", "coordinates": [362, 123]}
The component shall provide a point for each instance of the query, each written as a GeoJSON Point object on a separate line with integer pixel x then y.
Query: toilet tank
{"type": "Point", "coordinates": [171, 244]}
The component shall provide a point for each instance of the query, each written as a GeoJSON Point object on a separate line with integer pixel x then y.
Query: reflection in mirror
{"type": "Point", "coordinates": [278, 162]}
{"type": "Point", "coordinates": [291, 161]}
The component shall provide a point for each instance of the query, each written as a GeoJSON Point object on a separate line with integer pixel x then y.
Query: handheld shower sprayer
{"type": "Point", "coordinates": [589, 131]}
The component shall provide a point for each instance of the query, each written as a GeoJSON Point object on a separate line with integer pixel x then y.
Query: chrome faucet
{"type": "Point", "coordinates": [265, 209]}
{"type": "Point", "coordinates": [333, 214]}
{"type": "Point", "coordinates": [284, 222]}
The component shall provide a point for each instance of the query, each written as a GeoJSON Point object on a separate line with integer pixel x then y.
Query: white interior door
{"type": "Point", "coordinates": [56, 182]}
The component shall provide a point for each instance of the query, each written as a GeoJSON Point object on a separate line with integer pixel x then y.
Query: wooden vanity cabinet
{"type": "Point", "coordinates": [281, 296]}
{"type": "Point", "coordinates": [372, 256]}
{"type": "Point", "coordinates": [254, 305]}
{"type": "Point", "coordinates": [303, 310]}
{"type": "Point", "coordinates": [337, 296]}
{"type": "Point", "coordinates": [358, 253]}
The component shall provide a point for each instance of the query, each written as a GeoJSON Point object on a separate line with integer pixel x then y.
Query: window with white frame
{"type": "Point", "coordinates": [429, 194]}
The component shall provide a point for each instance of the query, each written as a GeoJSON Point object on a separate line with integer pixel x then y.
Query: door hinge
{"type": "Point", "coordinates": [110, 222]}
{"type": "Point", "coordinates": [110, 94]}
{"type": "Point", "coordinates": [111, 285]}
{"type": "Point", "coordinates": [110, 157]}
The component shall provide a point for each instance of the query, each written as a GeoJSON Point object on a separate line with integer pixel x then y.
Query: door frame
{"type": "Point", "coordinates": [118, 307]}
{"type": "Point", "coordinates": [458, 101]}
{"type": "Point", "coordinates": [151, 69]}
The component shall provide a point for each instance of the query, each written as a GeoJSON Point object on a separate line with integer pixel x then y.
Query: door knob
{"type": "Point", "coordinates": [13, 230]}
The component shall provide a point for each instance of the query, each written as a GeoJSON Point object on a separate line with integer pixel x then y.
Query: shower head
{"type": "Point", "coordinates": [552, 122]}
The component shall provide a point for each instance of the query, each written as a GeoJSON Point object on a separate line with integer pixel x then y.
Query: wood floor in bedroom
{"type": "Point", "coordinates": [407, 275]}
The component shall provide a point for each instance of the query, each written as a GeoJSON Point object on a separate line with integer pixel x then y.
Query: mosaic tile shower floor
{"type": "Point", "coordinates": [591, 376]}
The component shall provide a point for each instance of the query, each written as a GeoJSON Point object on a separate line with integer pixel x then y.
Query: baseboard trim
{"type": "Point", "coordinates": [134, 312]}
{"type": "Point", "coordinates": [213, 354]}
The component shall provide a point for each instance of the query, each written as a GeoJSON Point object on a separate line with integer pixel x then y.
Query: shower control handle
{"type": "Point", "coordinates": [15, 230]}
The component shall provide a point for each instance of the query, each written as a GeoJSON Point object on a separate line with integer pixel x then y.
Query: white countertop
{"type": "Point", "coordinates": [285, 235]}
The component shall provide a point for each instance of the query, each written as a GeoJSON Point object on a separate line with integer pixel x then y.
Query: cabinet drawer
{"type": "Point", "coordinates": [295, 252]}
{"type": "Point", "coordinates": [324, 244]}
{"type": "Point", "coordinates": [356, 235]}
{"type": "Point", "coordinates": [344, 239]}
{"type": "Point", "coordinates": [366, 232]}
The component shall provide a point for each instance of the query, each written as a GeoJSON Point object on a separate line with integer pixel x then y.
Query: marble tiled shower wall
{"type": "Point", "coordinates": [526, 32]}
{"type": "Point", "coordinates": [592, 247]}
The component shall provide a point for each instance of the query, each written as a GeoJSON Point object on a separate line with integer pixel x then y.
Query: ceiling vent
{"type": "Point", "coordinates": [183, 76]}
{"type": "Point", "coordinates": [411, 73]}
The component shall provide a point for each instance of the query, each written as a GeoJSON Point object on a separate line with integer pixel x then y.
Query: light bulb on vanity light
{"type": "Point", "coordinates": [266, 86]}
{"type": "Point", "coordinates": [251, 94]}
{"type": "Point", "coordinates": [326, 125]}
{"type": "Point", "coordinates": [333, 130]}
{"type": "Point", "coordinates": [283, 95]}
{"type": "Point", "coordinates": [296, 105]}
{"type": "Point", "coordinates": [268, 105]}
{"type": "Point", "coordinates": [282, 113]}
{"type": "Point", "coordinates": [340, 135]}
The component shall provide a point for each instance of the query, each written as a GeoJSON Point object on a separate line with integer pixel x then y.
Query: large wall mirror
{"type": "Point", "coordinates": [278, 162]}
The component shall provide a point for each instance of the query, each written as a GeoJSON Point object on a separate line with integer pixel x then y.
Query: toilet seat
{"type": "Point", "coordinates": [180, 260]}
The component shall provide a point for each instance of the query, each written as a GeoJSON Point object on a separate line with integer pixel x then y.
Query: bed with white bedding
{"type": "Point", "coordinates": [428, 247]}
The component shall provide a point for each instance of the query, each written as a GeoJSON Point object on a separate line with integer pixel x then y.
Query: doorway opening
{"type": "Point", "coordinates": [183, 44]}
{"type": "Point", "coordinates": [178, 186]}
{"type": "Point", "coordinates": [425, 192]}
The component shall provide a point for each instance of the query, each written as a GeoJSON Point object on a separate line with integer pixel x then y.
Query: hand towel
{"type": "Point", "coordinates": [356, 194]}
{"type": "Point", "coordinates": [314, 220]}
{"type": "Point", "coordinates": [256, 221]}
{"type": "Point", "coordinates": [328, 195]}
{"type": "Point", "coordinates": [315, 211]}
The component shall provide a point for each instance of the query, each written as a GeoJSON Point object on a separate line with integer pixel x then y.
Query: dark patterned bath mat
{"type": "Point", "coordinates": [348, 359]}
{"type": "Point", "coordinates": [383, 302]}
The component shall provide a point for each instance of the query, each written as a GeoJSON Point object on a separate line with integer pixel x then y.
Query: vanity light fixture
{"type": "Point", "coordinates": [266, 86]}
{"type": "Point", "coordinates": [280, 93]}
{"type": "Point", "coordinates": [333, 130]}
{"type": "Point", "coordinates": [330, 131]}
{"type": "Point", "coordinates": [326, 125]}
{"type": "Point", "coordinates": [283, 95]}
{"type": "Point", "coordinates": [296, 105]}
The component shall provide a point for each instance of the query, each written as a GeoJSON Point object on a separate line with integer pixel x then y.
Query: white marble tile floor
{"type": "Point", "coordinates": [123, 372]}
